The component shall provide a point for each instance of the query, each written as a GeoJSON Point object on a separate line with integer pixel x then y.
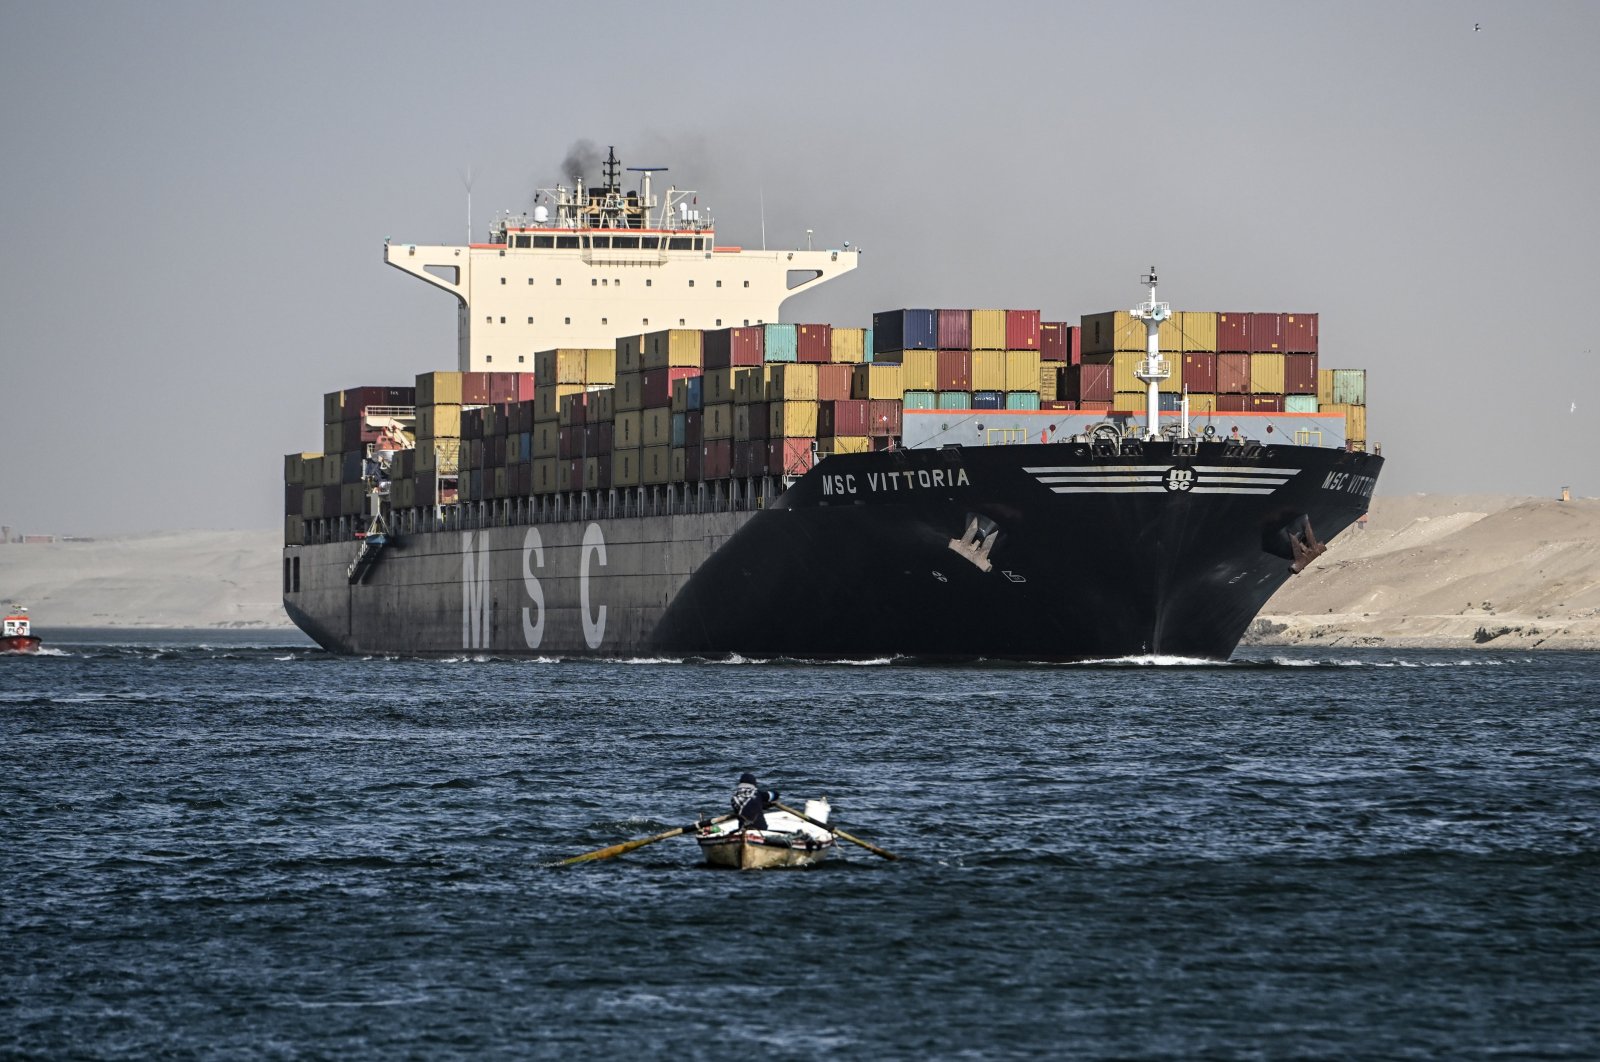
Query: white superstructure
{"type": "Point", "coordinates": [587, 266]}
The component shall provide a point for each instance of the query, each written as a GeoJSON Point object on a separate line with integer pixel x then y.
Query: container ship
{"type": "Point", "coordinates": [634, 458]}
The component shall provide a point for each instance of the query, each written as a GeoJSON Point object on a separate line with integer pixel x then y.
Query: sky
{"type": "Point", "coordinates": [195, 199]}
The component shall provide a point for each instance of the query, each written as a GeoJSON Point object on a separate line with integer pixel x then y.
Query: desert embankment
{"type": "Point", "coordinates": [1427, 571]}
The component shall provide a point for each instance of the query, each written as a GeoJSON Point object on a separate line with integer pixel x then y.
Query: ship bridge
{"type": "Point", "coordinates": [588, 265]}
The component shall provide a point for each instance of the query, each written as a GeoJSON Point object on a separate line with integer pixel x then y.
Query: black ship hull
{"type": "Point", "coordinates": [1058, 552]}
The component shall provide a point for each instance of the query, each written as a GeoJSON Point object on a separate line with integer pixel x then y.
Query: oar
{"type": "Point", "coordinates": [874, 849]}
{"type": "Point", "coordinates": [628, 846]}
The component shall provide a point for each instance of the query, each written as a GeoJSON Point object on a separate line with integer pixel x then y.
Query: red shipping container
{"type": "Point", "coordinates": [1300, 333]}
{"type": "Point", "coordinates": [1266, 333]}
{"type": "Point", "coordinates": [1266, 403]}
{"type": "Point", "coordinates": [954, 371]}
{"type": "Point", "coordinates": [579, 404]}
{"type": "Point", "coordinates": [1233, 333]}
{"type": "Point", "coordinates": [1200, 373]}
{"type": "Point", "coordinates": [525, 415]}
{"type": "Point", "coordinates": [814, 343]}
{"type": "Point", "coordinates": [1022, 329]}
{"type": "Point", "coordinates": [569, 442]}
{"type": "Point", "coordinates": [504, 386]}
{"type": "Point", "coordinates": [575, 474]}
{"type": "Point", "coordinates": [604, 471]}
{"type": "Point", "coordinates": [655, 385]}
{"type": "Point", "coordinates": [693, 429]}
{"type": "Point", "coordinates": [847, 417]}
{"type": "Point", "coordinates": [1233, 373]}
{"type": "Point", "coordinates": [1053, 337]}
{"type": "Point", "coordinates": [597, 438]}
{"type": "Point", "coordinates": [833, 382]}
{"type": "Point", "coordinates": [883, 416]}
{"type": "Point", "coordinates": [954, 329]}
{"type": "Point", "coordinates": [790, 457]}
{"type": "Point", "coordinates": [694, 460]}
{"type": "Point", "coordinates": [474, 388]}
{"type": "Point", "coordinates": [1092, 406]}
{"type": "Point", "coordinates": [726, 347]}
{"type": "Point", "coordinates": [717, 459]}
{"type": "Point", "coordinates": [1300, 374]}
{"type": "Point", "coordinates": [1096, 383]}
{"type": "Point", "coordinates": [1075, 343]}
{"type": "Point", "coordinates": [524, 478]}
{"type": "Point", "coordinates": [759, 414]}
{"type": "Point", "coordinates": [524, 388]}
{"type": "Point", "coordinates": [1232, 403]}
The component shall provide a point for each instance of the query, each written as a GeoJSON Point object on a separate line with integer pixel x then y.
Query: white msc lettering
{"type": "Point", "coordinates": [533, 549]}
{"type": "Point", "coordinates": [474, 594]}
{"type": "Point", "coordinates": [594, 629]}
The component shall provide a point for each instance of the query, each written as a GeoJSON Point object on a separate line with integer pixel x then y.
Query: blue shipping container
{"type": "Point", "coordinates": [1170, 403]}
{"type": "Point", "coordinates": [988, 400]}
{"type": "Point", "coordinates": [782, 345]}
{"type": "Point", "coordinates": [695, 386]}
{"type": "Point", "coordinates": [679, 421]}
{"type": "Point", "coordinates": [904, 330]}
{"type": "Point", "coordinates": [1022, 399]}
{"type": "Point", "coordinates": [867, 348]}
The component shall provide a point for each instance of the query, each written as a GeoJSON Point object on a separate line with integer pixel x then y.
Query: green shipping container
{"type": "Point", "coordinates": [955, 399]}
{"type": "Point", "coordinates": [1350, 387]}
{"type": "Point", "coordinates": [1022, 399]}
{"type": "Point", "coordinates": [782, 343]}
{"type": "Point", "coordinates": [921, 400]}
{"type": "Point", "coordinates": [1300, 403]}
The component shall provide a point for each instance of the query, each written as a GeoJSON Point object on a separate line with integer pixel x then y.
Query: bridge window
{"type": "Point", "coordinates": [545, 242]}
{"type": "Point", "coordinates": [629, 243]}
{"type": "Point", "coordinates": [602, 241]}
{"type": "Point", "coordinates": [567, 243]}
{"type": "Point", "coordinates": [680, 243]}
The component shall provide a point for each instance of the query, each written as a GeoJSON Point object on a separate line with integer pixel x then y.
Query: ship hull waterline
{"type": "Point", "coordinates": [1051, 552]}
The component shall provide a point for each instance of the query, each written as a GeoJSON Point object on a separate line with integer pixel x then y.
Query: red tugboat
{"type": "Point", "coordinates": [17, 634]}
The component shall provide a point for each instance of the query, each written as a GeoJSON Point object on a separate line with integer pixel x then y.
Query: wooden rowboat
{"type": "Point", "coordinates": [787, 841]}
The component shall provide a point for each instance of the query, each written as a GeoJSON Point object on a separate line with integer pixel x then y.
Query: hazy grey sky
{"type": "Point", "coordinates": [196, 197]}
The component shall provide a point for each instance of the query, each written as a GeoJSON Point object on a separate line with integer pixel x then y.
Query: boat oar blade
{"type": "Point", "coordinates": [612, 851]}
{"type": "Point", "coordinates": [874, 849]}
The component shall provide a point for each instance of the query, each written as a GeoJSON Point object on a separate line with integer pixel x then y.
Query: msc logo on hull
{"type": "Point", "coordinates": [477, 598]}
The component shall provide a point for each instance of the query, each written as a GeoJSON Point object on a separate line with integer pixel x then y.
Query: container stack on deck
{"type": "Point", "coordinates": [685, 406]}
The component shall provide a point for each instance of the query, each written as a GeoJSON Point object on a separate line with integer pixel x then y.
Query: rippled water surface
{"type": "Point", "coordinates": [237, 846]}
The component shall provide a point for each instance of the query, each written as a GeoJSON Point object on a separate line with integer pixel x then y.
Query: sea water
{"type": "Point", "coordinates": [239, 846]}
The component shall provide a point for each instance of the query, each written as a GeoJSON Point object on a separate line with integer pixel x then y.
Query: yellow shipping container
{"type": "Point", "coordinates": [792, 420]}
{"type": "Point", "coordinates": [716, 386]}
{"type": "Point", "coordinates": [1355, 420]}
{"type": "Point", "coordinates": [437, 455]}
{"type": "Point", "coordinates": [717, 421]}
{"type": "Point", "coordinates": [439, 389]}
{"type": "Point", "coordinates": [564, 365]}
{"type": "Point", "coordinates": [1266, 374]}
{"type": "Point", "coordinates": [547, 476]}
{"type": "Point", "coordinates": [849, 444]}
{"type": "Point", "coordinates": [630, 391]}
{"type": "Point", "coordinates": [591, 474]}
{"type": "Point", "coordinates": [680, 396]}
{"type": "Point", "coordinates": [546, 439]}
{"type": "Point", "coordinates": [750, 385]}
{"type": "Point", "coordinates": [1124, 365]}
{"type": "Point", "coordinates": [294, 466]}
{"type": "Point", "coordinates": [1107, 333]}
{"type": "Point", "coordinates": [988, 333]}
{"type": "Point", "coordinates": [672, 348]}
{"type": "Point", "coordinates": [1202, 404]}
{"type": "Point", "coordinates": [1324, 388]}
{"type": "Point", "coordinates": [1131, 402]}
{"type": "Point", "coordinates": [438, 422]}
{"type": "Point", "coordinates": [988, 370]}
{"type": "Point", "coordinates": [625, 468]}
{"type": "Point", "coordinates": [657, 428]}
{"type": "Point", "coordinates": [601, 370]}
{"type": "Point", "coordinates": [629, 430]}
{"type": "Point", "coordinates": [655, 465]}
{"type": "Point", "coordinates": [1049, 381]}
{"type": "Point", "coordinates": [919, 371]}
{"type": "Point", "coordinates": [1022, 370]}
{"type": "Point", "coordinates": [877, 382]}
{"type": "Point", "coordinates": [630, 355]}
{"type": "Point", "coordinates": [1199, 329]}
{"type": "Point", "coordinates": [791, 382]}
{"type": "Point", "coordinates": [742, 422]}
{"type": "Point", "coordinates": [848, 345]}
{"type": "Point", "coordinates": [547, 400]}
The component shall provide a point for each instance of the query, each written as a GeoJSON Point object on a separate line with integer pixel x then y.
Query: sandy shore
{"type": "Point", "coordinates": [1428, 571]}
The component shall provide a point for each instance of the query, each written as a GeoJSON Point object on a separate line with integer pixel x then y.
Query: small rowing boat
{"type": "Point", "coordinates": [787, 840]}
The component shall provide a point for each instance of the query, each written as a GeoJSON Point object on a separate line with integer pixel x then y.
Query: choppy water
{"type": "Point", "coordinates": [229, 848]}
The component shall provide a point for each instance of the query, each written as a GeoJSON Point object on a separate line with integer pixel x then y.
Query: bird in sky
{"type": "Point", "coordinates": [1476, 26]}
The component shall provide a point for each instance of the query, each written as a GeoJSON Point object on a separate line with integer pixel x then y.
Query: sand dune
{"type": "Point", "coordinates": [1429, 570]}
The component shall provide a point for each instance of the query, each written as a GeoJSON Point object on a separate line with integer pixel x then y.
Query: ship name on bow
{"type": "Point", "coordinates": [1350, 483]}
{"type": "Point", "coordinates": [890, 482]}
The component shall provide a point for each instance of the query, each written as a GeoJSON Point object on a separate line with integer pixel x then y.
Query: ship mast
{"type": "Point", "coordinates": [1153, 369]}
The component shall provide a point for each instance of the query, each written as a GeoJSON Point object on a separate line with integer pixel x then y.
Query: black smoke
{"type": "Point", "coordinates": [583, 160]}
